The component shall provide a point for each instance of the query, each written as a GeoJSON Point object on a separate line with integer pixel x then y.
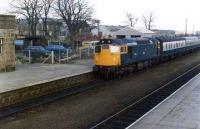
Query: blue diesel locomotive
{"type": "Point", "coordinates": [116, 57]}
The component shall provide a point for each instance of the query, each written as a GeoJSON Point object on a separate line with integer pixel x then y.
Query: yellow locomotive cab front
{"type": "Point", "coordinates": [107, 55]}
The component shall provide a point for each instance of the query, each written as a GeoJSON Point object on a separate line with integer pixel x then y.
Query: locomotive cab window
{"type": "Point", "coordinates": [123, 49]}
{"type": "Point", "coordinates": [97, 49]}
{"type": "Point", "coordinates": [1, 46]}
{"type": "Point", "coordinates": [106, 46]}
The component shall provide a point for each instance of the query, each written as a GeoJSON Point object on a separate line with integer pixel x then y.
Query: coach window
{"type": "Point", "coordinates": [1, 45]}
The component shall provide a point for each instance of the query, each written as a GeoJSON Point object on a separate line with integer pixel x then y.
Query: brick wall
{"type": "Point", "coordinates": [37, 90]}
{"type": "Point", "coordinates": [7, 50]}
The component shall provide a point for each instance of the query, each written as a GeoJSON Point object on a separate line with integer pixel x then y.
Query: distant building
{"type": "Point", "coordinates": [164, 32]}
{"type": "Point", "coordinates": [130, 32]}
{"type": "Point", "coordinates": [105, 30]}
{"type": "Point", "coordinates": [197, 33]}
{"type": "Point", "coordinates": [180, 33]}
{"type": "Point", "coordinates": [55, 28]}
{"type": "Point", "coordinates": [7, 35]}
{"type": "Point", "coordinates": [22, 27]}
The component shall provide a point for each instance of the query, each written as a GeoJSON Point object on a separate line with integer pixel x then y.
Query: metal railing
{"type": "Point", "coordinates": [56, 58]}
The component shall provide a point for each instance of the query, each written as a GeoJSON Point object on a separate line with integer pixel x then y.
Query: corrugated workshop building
{"type": "Point", "coordinates": [130, 32]}
{"type": "Point", "coordinates": [7, 49]}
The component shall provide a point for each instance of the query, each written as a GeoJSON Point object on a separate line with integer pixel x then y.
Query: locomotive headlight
{"type": "Point", "coordinates": [96, 58]}
{"type": "Point", "coordinates": [114, 49]}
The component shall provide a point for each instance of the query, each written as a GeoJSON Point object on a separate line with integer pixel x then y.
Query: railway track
{"type": "Point", "coordinates": [137, 110]}
{"type": "Point", "coordinates": [7, 111]}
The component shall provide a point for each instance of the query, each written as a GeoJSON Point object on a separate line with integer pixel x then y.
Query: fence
{"type": "Point", "coordinates": [56, 57]}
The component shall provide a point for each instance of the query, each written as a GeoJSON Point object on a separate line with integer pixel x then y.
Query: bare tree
{"type": "Point", "coordinates": [76, 14]}
{"type": "Point", "coordinates": [30, 10]}
{"type": "Point", "coordinates": [46, 7]}
{"type": "Point", "coordinates": [131, 19]}
{"type": "Point", "coordinates": [148, 20]}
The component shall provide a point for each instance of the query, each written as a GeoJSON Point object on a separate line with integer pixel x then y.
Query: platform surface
{"type": "Point", "coordinates": [30, 74]}
{"type": "Point", "coordinates": [179, 111]}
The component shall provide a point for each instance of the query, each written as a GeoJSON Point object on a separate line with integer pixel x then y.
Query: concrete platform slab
{"type": "Point", "coordinates": [179, 111]}
{"type": "Point", "coordinates": [30, 74]}
{"type": "Point", "coordinates": [34, 80]}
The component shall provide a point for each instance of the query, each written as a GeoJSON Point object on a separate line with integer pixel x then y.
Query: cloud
{"type": "Point", "coordinates": [170, 14]}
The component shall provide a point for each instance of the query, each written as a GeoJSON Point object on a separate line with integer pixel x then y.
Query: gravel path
{"type": "Point", "coordinates": [81, 110]}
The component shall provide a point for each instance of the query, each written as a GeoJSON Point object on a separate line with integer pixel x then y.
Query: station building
{"type": "Point", "coordinates": [7, 49]}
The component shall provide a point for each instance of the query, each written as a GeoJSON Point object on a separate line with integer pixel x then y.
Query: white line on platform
{"type": "Point", "coordinates": [130, 126]}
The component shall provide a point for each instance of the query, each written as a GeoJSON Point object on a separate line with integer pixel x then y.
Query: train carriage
{"type": "Point", "coordinates": [192, 43]}
{"type": "Point", "coordinates": [117, 57]}
{"type": "Point", "coordinates": [171, 45]}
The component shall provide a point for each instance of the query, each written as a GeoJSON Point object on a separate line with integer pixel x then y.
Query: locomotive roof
{"type": "Point", "coordinates": [140, 40]}
{"type": "Point", "coordinates": [168, 39]}
{"type": "Point", "coordinates": [125, 41]}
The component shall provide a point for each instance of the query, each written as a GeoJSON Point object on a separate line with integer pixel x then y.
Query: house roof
{"type": "Point", "coordinates": [106, 29]}
{"type": "Point", "coordinates": [127, 31]}
{"type": "Point", "coordinates": [133, 31]}
{"type": "Point", "coordinates": [143, 30]}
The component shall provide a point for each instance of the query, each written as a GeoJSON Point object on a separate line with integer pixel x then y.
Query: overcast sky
{"type": "Point", "coordinates": [170, 14]}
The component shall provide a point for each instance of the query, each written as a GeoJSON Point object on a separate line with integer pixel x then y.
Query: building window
{"type": "Point", "coordinates": [135, 36]}
{"type": "Point", "coordinates": [1, 46]}
{"type": "Point", "coordinates": [121, 36]}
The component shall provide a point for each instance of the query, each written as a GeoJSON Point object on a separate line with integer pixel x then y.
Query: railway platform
{"type": "Point", "coordinates": [181, 110]}
{"type": "Point", "coordinates": [34, 80]}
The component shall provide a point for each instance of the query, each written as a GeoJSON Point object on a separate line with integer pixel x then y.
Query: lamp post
{"type": "Point", "coordinates": [186, 21]}
{"type": "Point", "coordinates": [98, 24]}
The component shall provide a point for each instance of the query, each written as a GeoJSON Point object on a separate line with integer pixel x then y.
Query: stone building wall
{"type": "Point", "coordinates": [7, 49]}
